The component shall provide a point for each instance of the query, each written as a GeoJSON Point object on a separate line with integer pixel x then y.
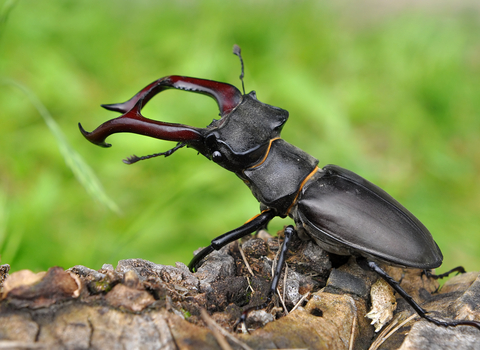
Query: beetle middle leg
{"type": "Point", "coordinates": [420, 311]}
{"type": "Point", "coordinates": [289, 232]}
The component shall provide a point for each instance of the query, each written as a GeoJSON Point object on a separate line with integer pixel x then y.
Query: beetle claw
{"type": "Point", "coordinates": [242, 320]}
{"type": "Point", "coordinates": [132, 159]}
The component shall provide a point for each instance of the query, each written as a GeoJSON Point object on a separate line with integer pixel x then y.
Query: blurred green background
{"type": "Point", "coordinates": [389, 90]}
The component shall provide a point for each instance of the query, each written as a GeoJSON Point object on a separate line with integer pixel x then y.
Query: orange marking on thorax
{"type": "Point", "coordinates": [301, 186]}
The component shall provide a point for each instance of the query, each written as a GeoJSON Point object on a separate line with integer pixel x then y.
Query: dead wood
{"type": "Point", "coordinates": [143, 305]}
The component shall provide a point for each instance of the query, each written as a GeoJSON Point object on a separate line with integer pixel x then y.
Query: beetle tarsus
{"type": "Point", "coordinates": [241, 320]}
{"type": "Point", "coordinates": [195, 263]}
{"type": "Point", "coordinates": [429, 274]}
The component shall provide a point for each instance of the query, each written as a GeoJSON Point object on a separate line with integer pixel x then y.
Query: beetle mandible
{"type": "Point", "coordinates": [341, 211]}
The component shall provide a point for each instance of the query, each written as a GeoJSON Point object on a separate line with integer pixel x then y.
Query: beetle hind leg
{"type": "Point", "coordinates": [420, 311]}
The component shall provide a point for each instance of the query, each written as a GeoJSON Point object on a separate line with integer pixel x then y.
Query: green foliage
{"type": "Point", "coordinates": [390, 92]}
{"type": "Point", "coordinates": [186, 313]}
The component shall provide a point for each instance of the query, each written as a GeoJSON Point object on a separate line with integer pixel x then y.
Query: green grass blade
{"type": "Point", "coordinates": [74, 161]}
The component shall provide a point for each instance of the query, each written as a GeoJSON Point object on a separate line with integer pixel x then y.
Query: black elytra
{"type": "Point", "coordinates": [338, 209]}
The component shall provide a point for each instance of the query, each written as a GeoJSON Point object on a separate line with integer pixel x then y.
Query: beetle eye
{"type": "Point", "coordinates": [216, 156]}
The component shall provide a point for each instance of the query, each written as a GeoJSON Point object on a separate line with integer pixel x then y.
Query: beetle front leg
{"type": "Point", "coordinates": [249, 227]}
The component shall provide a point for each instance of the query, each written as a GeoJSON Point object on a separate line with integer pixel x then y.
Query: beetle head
{"type": "Point", "coordinates": [241, 138]}
{"type": "Point", "coordinates": [237, 140]}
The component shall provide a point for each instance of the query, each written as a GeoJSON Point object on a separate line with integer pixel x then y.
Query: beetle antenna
{"type": "Point", "coordinates": [237, 51]}
{"type": "Point", "coordinates": [133, 158]}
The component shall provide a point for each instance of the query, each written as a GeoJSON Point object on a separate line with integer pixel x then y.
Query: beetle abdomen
{"type": "Point", "coordinates": [350, 215]}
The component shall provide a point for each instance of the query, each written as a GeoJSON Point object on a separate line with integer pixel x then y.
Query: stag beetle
{"type": "Point", "coordinates": [341, 211]}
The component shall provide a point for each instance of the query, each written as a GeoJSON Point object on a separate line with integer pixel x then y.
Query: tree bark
{"type": "Point", "coordinates": [142, 305]}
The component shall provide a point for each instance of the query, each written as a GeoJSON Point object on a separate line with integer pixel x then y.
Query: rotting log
{"type": "Point", "coordinates": [143, 305]}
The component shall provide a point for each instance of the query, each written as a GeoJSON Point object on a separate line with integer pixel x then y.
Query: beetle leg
{"type": "Point", "coordinates": [289, 231]}
{"type": "Point", "coordinates": [429, 274]}
{"type": "Point", "coordinates": [249, 227]}
{"type": "Point", "coordinates": [420, 311]}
